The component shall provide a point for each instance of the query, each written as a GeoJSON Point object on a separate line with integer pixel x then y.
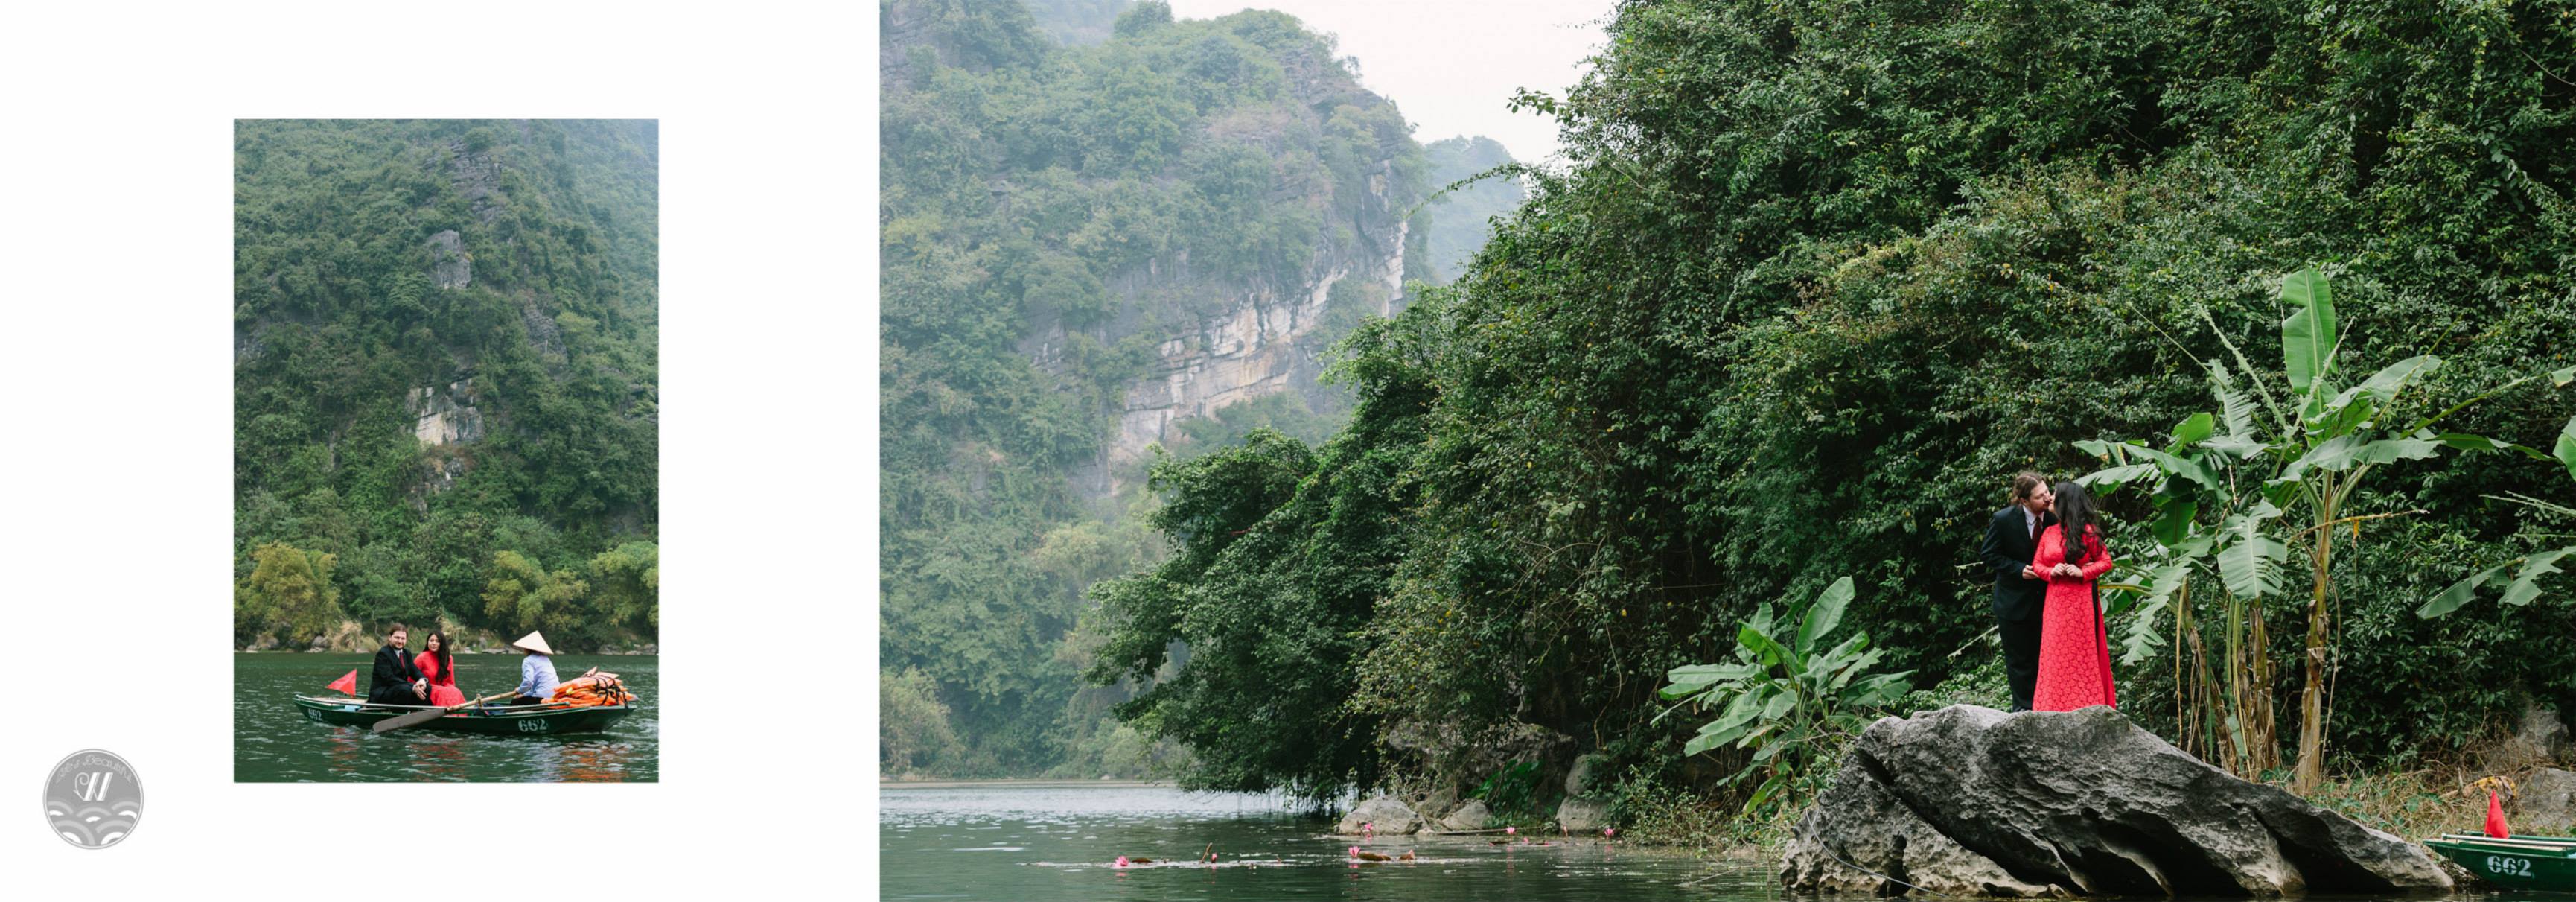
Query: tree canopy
{"type": "Point", "coordinates": [1816, 279]}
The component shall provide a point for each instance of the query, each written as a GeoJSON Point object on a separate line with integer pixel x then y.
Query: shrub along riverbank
{"type": "Point", "coordinates": [1814, 281]}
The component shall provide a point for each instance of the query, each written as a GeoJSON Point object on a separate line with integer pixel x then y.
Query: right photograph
{"type": "Point", "coordinates": [1726, 449]}
{"type": "Point", "coordinates": [446, 564]}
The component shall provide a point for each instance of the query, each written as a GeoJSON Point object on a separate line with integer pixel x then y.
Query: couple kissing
{"type": "Point", "coordinates": [2056, 652]}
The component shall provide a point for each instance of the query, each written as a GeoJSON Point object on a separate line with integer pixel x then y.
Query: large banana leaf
{"type": "Point", "coordinates": [2193, 470]}
{"type": "Point", "coordinates": [2194, 428]}
{"type": "Point", "coordinates": [2524, 588]}
{"type": "Point", "coordinates": [2526, 584]}
{"type": "Point", "coordinates": [2308, 335]}
{"type": "Point", "coordinates": [1696, 678]}
{"type": "Point", "coordinates": [2384, 385]}
{"type": "Point", "coordinates": [2250, 564]}
{"type": "Point", "coordinates": [2342, 453]}
{"type": "Point", "coordinates": [1825, 615]}
{"type": "Point", "coordinates": [1766, 649]}
{"type": "Point", "coordinates": [2235, 410]}
{"type": "Point", "coordinates": [2566, 447]}
{"type": "Point", "coordinates": [2145, 634]}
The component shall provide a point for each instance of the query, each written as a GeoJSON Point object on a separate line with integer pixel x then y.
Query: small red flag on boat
{"type": "Point", "coordinates": [2495, 817]}
{"type": "Point", "coordinates": [347, 682]}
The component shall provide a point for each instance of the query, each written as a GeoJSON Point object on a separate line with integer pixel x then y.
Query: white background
{"type": "Point", "coordinates": [116, 443]}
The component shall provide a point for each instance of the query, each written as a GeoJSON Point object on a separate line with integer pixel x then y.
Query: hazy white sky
{"type": "Point", "coordinates": [1451, 64]}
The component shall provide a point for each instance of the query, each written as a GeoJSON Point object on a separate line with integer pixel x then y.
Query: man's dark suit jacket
{"type": "Point", "coordinates": [2008, 547]}
{"type": "Point", "coordinates": [390, 682]}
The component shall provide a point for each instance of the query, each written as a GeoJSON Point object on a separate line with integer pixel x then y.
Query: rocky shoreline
{"type": "Point", "coordinates": [1967, 800]}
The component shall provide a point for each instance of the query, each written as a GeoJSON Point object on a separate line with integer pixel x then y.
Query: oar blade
{"type": "Point", "coordinates": [412, 719]}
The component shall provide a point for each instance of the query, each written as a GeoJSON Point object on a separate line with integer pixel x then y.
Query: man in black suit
{"type": "Point", "coordinates": [395, 681]}
{"type": "Point", "coordinates": [2010, 542]}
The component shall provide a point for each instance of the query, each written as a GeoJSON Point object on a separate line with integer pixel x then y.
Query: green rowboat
{"type": "Point", "coordinates": [2517, 861]}
{"type": "Point", "coordinates": [531, 720]}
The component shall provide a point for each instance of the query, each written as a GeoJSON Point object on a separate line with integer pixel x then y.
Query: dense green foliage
{"type": "Point", "coordinates": [344, 340]}
{"type": "Point", "coordinates": [1820, 276]}
{"type": "Point", "coordinates": [1051, 217]}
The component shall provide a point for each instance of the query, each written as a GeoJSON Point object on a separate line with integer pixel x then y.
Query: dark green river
{"type": "Point", "coordinates": [274, 743]}
{"type": "Point", "coordinates": [1026, 842]}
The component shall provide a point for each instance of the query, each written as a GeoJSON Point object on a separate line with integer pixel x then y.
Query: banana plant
{"type": "Point", "coordinates": [2525, 585]}
{"type": "Point", "coordinates": [1785, 695]}
{"type": "Point", "coordinates": [2235, 494]}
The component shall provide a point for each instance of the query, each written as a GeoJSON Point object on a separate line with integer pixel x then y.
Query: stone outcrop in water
{"type": "Point", "coordinates": [1972, 801]}
{"type": "Point", "coordinates": [1383, 814]}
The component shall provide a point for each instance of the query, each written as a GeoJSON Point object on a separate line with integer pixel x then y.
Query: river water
{"type": "Point", "coordinates": [1026, 842]}
{"type": "Point", "coordinates": [272, 742]}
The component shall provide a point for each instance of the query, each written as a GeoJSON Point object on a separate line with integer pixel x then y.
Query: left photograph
{"type": "Point", "coordinates": [446, 563]}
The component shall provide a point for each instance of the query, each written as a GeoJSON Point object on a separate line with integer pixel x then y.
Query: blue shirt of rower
{"type": "Point", "coordinates": [537, 676]}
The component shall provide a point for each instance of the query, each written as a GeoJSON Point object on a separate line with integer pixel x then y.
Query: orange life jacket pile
{"type": "Point", "coordinates": [592, 688]}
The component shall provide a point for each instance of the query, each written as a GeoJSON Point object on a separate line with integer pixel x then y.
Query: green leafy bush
{"type": "Point", "coordinates": [1787, 698]}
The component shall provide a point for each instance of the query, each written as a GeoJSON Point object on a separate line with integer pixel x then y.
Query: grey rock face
{"type": "Point", "coordinates": [2079, 802]}
{"type": "Point", "coordinates": [2540, 739]}
{"type": "Point", "coordinates": [447, 417]}
{"type": "Point", "coordinates": [449, 264]}
{"type": "Point", "coordinates": [1583, 815]}
{"type": "Point", "coordinates": [1431, 803]}
{"type": "Point", "coordinates": [1388, 814]}
{"type": "Point", "coordinates": [1588, 776]}
{"type": "Point", "coordinates": [2546, 802]}
{"type": "Point", "coordinates": [1470, 816]}
{"type": "Point", "coordinates": [1878, 842]}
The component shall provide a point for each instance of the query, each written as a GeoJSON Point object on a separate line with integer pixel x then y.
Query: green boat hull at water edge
{"type": "Point", "coordinates": [2516, 862]}
{"type": "Point", "coordinates": [490, 722]}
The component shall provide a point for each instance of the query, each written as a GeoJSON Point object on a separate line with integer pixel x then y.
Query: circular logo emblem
{"type": "Point", "coordinates": [93, 799]}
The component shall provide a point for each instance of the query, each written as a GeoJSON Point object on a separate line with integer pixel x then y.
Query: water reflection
{"type": "Point", "coordinates": [579, 761]}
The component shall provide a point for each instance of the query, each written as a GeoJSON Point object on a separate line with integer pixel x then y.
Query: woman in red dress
{"type": "Point", "coordinates": [439, 665]}
{"type": "Point", "coordinates": [2074, 649]}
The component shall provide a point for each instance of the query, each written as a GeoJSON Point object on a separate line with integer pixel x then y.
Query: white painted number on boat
{"type": "Point", "coordinates": [2509, 867]}
{"type": "Point", "coordinates": [532, 725]}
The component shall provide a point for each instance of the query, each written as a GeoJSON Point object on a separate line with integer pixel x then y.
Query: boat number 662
{"type": "Point", "coordinates": [2509, 867]}
{"type": "Point", "coordinates": [533, 725]}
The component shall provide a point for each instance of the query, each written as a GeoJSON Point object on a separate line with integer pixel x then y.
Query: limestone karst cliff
{"type": "Point", "coordinates": [1088, 249]}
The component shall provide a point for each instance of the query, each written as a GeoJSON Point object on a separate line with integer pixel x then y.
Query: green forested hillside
{"type": "Point", "coordinates": [1817, 279]}
{"type": "Point", "coordinates": [1064, 227]}
{"type": "Point", "coordinates": [1460, 219]}
{"type": "Point", "coordinates": [444, 379]}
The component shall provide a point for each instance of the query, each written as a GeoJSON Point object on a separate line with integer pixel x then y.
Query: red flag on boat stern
{"type": "Point", "coordinates": [349, 683]}
{"type": "Point", "coordinates": [2495, 817]}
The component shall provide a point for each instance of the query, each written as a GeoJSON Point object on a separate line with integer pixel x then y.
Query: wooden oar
{"type": "Point", "coordinates": [417, 718]}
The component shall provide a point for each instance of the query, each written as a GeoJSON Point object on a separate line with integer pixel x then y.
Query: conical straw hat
{"type": "Point", "coordinates": [536, 642]}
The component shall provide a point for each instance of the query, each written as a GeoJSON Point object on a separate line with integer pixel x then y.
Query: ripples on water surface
{"type": "Point", "coordinates": [1056, 841]}
{"type": "Point", "coordinates": [272, 742]}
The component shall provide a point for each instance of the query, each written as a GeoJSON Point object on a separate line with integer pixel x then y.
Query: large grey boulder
{"type": "Point", "coordinates": [1470, 816]}
{"type": "Point", "coordinates": [1387, 814]}
{"type": "Point", "coordinates": [1589, 774]}
{"type": "Point", "coordinates": [1970, 800]}
{"type": "Point", "coordinates": [1582, 814]}
{"type": "Point", "coordinates": [2545, 802]}
{"type": "Point", "coordinates": [2541, 739]}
